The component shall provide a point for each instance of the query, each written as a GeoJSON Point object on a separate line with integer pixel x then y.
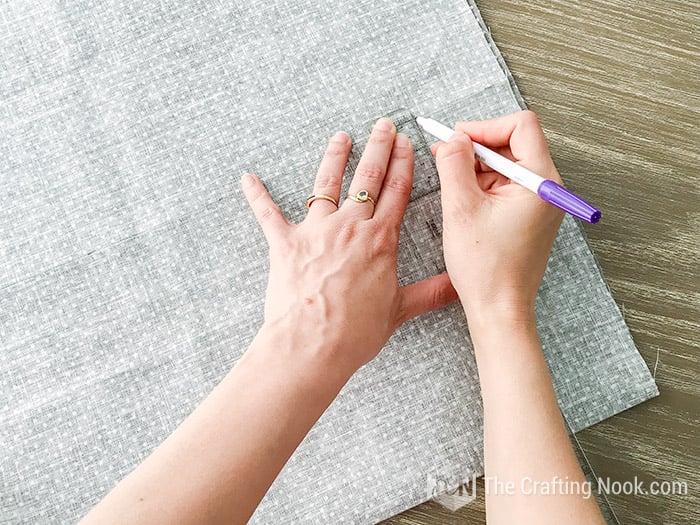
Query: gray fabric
{"type": "Point", "coordinates": [132, 273]}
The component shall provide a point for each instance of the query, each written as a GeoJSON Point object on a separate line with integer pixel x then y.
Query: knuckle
{"type": "Point", "coordinates": [402, 152]}
{"type": "Point", "coordinates": [381, 138]}
{"type": "Point", "coordinates": [370, 173]}
{"type": "Point", "coordinates": [434, 297]}
{"type": "Point", "coordinates": [265, 208]}
{"type": "Point", "coordinates": [383, 240]}
{"type": "Point", "coordinates": [326, 179]}
{"type": "Point", "coordinates": [259, 197]}
{"type": "Point", "coordinates": [453, 149]}
{"type": "Point", "coordinates": [267, 213]}
{"type": "Point", "coordinates": [528, 116]}
{"type": "Point", "coordinates": [441, 295]}
{"type": "Point", "coordinates": [399, 184]}
{"type": "Point", "coordinates": [464, 126]}
{"type": "Point", "coordinates": [337, 149]}
{"type": "Point", "coordinates": [347, 232]}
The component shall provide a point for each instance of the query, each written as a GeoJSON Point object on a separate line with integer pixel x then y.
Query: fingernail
{"type": "Point", "coordinates": [341, 136]}
{"type": "Point", "coordinates": [384, 124]}
{"type": "Point", "coordinates": [403, 141]}
{"type": "Point", "coordinates": [455, 136]}
{"type": "Point", "coordinates": [247, 180]}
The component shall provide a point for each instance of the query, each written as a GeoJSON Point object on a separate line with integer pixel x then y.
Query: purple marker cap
{"type": "Point", "coordinates": [568, 201]}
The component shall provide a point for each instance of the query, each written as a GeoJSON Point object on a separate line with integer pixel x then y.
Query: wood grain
{"type": "Point", "coordinates": [615, 84]}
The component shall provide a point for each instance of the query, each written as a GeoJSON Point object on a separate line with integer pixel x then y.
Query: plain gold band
{"type": "Point", "coordinates": [317, 196]}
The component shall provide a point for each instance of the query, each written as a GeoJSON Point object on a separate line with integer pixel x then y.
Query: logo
{"type": "Point", "coordinates": [452, 493]}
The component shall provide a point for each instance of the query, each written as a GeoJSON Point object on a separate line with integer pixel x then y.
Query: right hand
{"type": "Point", "coordinates": [497, 235]}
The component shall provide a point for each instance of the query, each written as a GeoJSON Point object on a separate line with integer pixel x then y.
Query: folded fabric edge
{"type": "Point", "coordinates": [496, 53]}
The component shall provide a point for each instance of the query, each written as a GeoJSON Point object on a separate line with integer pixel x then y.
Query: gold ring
{"type": "Point", "coordinates": [361, 196]}
{"type": "Point", "coordinates": [317, 196]}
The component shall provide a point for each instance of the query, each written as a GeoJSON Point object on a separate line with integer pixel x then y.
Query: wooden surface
{"type": "Point", "coordinates": [616, 86]}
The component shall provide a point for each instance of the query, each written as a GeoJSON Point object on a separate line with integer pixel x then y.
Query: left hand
{"type": "Point", "coordinates": [334, 274]}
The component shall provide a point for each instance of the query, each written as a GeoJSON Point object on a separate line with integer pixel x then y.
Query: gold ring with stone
{"type": "Point", "coordinates": [317, 196]}
{"type": "Point", "coordinates": [361, 196]}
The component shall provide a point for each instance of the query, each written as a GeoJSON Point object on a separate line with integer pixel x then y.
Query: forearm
{"type": "Point", "coordinates": [525, 439]}
{"type": "Point", "coordinates": [217, 466]}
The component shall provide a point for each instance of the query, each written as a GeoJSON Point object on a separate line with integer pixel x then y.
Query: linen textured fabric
{"type": "Point", "coordinates": [132, 273]}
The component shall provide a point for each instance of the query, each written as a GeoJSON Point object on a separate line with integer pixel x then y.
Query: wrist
{"type": "Point", "coordinates": [487, 320]}
{"type": "Point", "coordinates": [504, 342]}
{"type": "Point", "coordinates": [295, 343]}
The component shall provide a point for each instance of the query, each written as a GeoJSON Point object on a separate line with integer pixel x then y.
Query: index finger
{"type": "Point", "coordinates": [520, 131]}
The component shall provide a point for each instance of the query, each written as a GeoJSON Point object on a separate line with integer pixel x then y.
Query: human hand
{"type": "Point", "coordinates": [334, 275]}
{"type": "Point", "coordinates": [497, 235]}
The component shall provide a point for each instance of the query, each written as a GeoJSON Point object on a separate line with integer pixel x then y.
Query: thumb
{"type": "Point", "coordinates": [425, 296]}
{"type": "Point", "coordinates": [455, 164]}
{"type": "Point", "coordinates": [268, 214]}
